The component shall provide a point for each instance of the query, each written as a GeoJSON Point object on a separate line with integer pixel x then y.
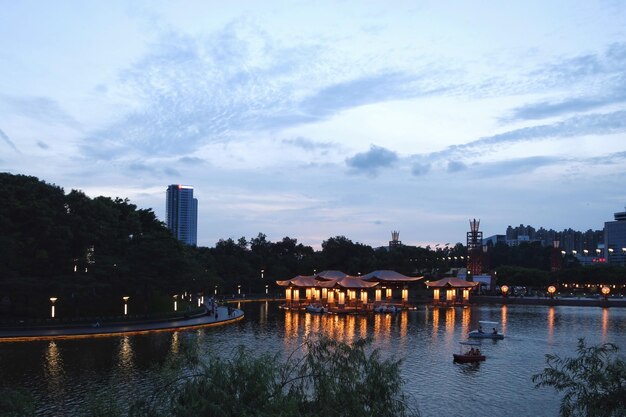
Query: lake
{"type": "Point", "coordinates": [63, 373]}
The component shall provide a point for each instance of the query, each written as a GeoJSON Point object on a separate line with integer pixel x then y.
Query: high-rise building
{"type": "Point", "coordinates": [182, 213]}
{"type": "Point", "coordinates": [615, 239]}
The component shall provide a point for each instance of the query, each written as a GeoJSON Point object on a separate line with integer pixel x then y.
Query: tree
{"type": "Point", "coordinates": [594, 382]}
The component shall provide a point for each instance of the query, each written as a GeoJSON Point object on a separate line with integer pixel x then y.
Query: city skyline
{"type": "Point", "coordinates": [338, 118]}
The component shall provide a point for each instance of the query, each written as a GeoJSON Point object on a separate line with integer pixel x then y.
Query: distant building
{"type": "Point", "coordinates": [615, 239]}
{"type": "Point", "coordinates": [494, 240]}
{"type": "Point", "coordinates": [182, 213]}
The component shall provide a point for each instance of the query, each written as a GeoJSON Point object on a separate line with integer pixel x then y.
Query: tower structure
{"type": "Point", "coordinates": [474, 249]}
{"type": "Point", "coordinates": [556, 260]}
{"type": "Point", "coordinates": [182, 213]}
{"type": "Point", "coordinates": [395, 240]}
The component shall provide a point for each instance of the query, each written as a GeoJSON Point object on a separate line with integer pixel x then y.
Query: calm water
{"type": "Point", "coordinates": [63, 373]}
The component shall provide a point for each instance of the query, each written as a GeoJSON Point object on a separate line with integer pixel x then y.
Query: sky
{"type": "Point", "coordinates": [326, 118]}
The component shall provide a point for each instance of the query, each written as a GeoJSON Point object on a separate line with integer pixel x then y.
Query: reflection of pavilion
{"type": "Point", "coordinates": [339, 292]}
{"type": "Point", "coordinates": [453, 288]}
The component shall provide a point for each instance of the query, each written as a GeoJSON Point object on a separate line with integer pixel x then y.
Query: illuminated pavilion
{"type": "Point", "coordinates": [452, 286]}
{"type": "Point", "coordinates": [340, 292]}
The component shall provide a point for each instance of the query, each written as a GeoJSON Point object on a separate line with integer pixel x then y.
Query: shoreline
{"type": "Point", "coordinates": [577, 302]}
{"type": "Point", "coordinates": [119, 329]}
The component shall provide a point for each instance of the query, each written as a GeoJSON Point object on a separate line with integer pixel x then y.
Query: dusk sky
{"type": "Point", "coordinates": [317, 119]}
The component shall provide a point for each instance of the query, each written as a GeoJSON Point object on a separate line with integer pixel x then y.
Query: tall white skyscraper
{"type": "Point", "coordinates": [182, 213]}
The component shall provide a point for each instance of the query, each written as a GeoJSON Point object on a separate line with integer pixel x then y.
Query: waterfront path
{"type": "Point", "coordinates": [120, 328]}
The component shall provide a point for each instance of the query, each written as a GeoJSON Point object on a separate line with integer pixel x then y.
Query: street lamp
{"type": "Point", "coordinates": [551, 291]}
{"type": "Point", "coordinates": [176, 302]}
{"type": "Point", "coordinates": [52, 300]}
{"type": "Point", "coordinates": [267, 287]}
{"type": "Point", "coordinates": [125, 298]}
{"type": "Point", "coordinates": [605, 292]}
{"type": "Point", "coordinates": [262, 270]}
{"type": "Point", "coordinates": [215, 291]}
{"type": "Point", "coordinates": [505, 290]}
{"type": "Point", "coordinates": [239, 289]}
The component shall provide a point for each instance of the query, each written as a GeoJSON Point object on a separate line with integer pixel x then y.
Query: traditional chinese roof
{"type": "Point", "coordinates": [451, 282]}
{"type": "Point", "coordinates": [386, 275]}
{"type": "Point", "coordinates": [307, 281]}
{"type": "Point", "coordinates": [354, 282]}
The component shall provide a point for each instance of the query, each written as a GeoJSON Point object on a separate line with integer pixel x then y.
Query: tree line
{"type": "Point", "coordinates": [90, 251]}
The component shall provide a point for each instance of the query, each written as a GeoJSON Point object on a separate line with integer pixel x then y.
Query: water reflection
{"type": "Point", "coordinates": [450, 316]}
{"type": "Point", "coordinates": [126, 355]}
{"type": "Point", "coordinates": [263, 310]}
{"type": "Point", "coordinates": [54, 368]}
{"type": "Point", "coordinates": [551, 313]}
{"type": "Point", "coordinates": [605, 323]}
{"type": "Point", "coordinates": [435, 331]}
{"type": "Point", "coordinates": [466, 318]}
{"type": "Point", "coordinates": [175, 343]}
{"type": "Point", "coordinates": [504, 312]}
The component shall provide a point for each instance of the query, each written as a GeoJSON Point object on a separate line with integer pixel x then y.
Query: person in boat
{"type": "Point", "coordinates": [480, 329]}
{"type": "Point", "coordinates": [495, 331]}
{"type": "Point", "coordinates": [477, 352]}
{"type": "Point", "coordinates": [472, 352]}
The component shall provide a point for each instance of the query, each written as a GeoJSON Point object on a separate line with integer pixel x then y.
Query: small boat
{"type": "Point", "coordinates": [385, 308]}
{"type": "Point", "coordinates": [469, 353]}
{"type": "Point", "coordinates": [315, 308]}
{"type": "Point", "coordinates": [491, 334]}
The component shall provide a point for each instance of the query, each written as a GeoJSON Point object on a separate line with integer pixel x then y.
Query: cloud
{"type": "Point", "coordinates": [373, 160]}
{"type": "Point", "coordinates": [601, 76]}
{"type": "Point", "coordinates": [39, 108]}
{"type": "Point", "coordinates": [194, 91]}
{"type": "Point", "coordinates": [356, 92]}
{"type": "Point", "coordinates": [419, 169]}
{"type": "Point", "coordinates": [590, 124]}
{"type": "Point", "coordinates": [307, 144]}
{"type": "Point", "coordinates": [190, 160]}
{"type": "Point", "coordinates": [456, 166]}
{"type": "Point", "coordinates": [8, 141]}
{"type": "Point", "coordinates": [513, 166]}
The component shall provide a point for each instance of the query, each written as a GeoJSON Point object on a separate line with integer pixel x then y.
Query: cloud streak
{"type": "Point", "coordinates": [5, 138]}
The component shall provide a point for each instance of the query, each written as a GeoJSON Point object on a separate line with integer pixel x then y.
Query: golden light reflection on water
{"type": "Point", "coordinates": [404, 323]}
{"type": "Point", "coordinates": [263, 312]}
{"type": "Point", "coordinates": [504, 318]}
{"type": "Point", "coordinates": [54, 368]}
{"type": "Point", "coordinates": [466, 319]}
{"type": "Point", "coordinates": [435, 323]}
{"type": "Point", "coordinates": [605, 322]}
{"type": "Point", "coordinates": [450, 317]}
{"type": "Point", "coordinates": [551, 314]}
{"type": "Point", "coordinates": [175, 343]}
{"type": "Point", "coordinates": [126, 355]}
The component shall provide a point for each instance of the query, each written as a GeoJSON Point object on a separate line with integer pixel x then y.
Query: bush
{"type": "Point", "coordinates": [324, 377]}
{"type": "Point", "coordinates": [594, 382]}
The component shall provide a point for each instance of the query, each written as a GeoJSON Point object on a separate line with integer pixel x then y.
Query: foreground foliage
{"type": "Point", "coordinates": [322, 378]}
{"type": "Point", "coordinates": [594, 382]}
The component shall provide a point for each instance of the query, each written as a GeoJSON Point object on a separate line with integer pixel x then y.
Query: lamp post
{"type": "Point", "coordinates": [52, 300]}
{"type": "Point", "coordinates": [505, 290]}
{"type": "Point", "coordinates": [551, 291]}
{"type": "Point", "coordinates": [262, 271]}
{"type": "Point", "coordinates": [176, 302]}
{"type": "Point", "coordinates": [605, 292]}
{"type": "Point", "coordinates": [267, 288]}
{"type": "Point", "coordinates": [238, 289]}
{"type": "Point", "coordinates": [125, 298]}
{"type": "Point", "coordinates": [215, 290]}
